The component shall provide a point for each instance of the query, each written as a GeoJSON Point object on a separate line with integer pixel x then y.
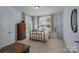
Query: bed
{"type": "Point", "coordinates": [39, 35]}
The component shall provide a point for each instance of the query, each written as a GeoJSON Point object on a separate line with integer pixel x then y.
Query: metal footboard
{"type": "Point", "coordinates": [37, 36]}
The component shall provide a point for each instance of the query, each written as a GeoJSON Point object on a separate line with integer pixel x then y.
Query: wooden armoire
{"type": "Point", "coordinates": [21, 30]}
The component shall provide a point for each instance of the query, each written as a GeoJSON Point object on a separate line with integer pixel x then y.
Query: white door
{"type": "Point", "coordinates": [11, 30]}
{"type": "Point", "coordinates": [7, 28]}
{"type": "Point", "coordinates": [0, 29]}
{"type": "Point", "coordinates": [55, 27]}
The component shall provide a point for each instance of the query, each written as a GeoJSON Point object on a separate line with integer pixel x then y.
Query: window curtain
{"type": "Point", "coordinates": [38, 22]}
{"type": "Point", "coordinates": [52, 23]}
{"type": "Point", "coordinates": [33, 24]}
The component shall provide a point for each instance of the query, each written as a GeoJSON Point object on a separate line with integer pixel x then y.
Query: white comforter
{"type": "Point", "coordinates": [46, 35]}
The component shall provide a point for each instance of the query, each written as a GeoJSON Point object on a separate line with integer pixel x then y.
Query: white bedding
{"type": "Point", "coordinates": [46, 35]}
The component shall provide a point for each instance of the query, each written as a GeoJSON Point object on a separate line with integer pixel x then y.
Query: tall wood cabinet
{"type": "Point", "coordinates": [21, 30]}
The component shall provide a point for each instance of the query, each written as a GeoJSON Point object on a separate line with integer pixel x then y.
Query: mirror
{"type": "Point", "coordinates": [74, 20]}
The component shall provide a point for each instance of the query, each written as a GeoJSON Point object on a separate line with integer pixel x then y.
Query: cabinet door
{"type": "Point", "coordinates": [22, 30]}
{"type": "Point", "coordinates": [11, 29]}
{"type": "Point", "coordinates": [5, 28]}
{"type": "Point", "coordinates": [0, 29]}
{"type": "Point", "coordinates": [7, 33]}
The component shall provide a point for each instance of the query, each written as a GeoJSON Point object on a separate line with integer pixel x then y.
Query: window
{"type": "Point", "coordinates": [44, 23]}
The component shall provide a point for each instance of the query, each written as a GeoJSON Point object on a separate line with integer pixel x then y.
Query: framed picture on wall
{"type": "Point", "coordinates": [74, 20]}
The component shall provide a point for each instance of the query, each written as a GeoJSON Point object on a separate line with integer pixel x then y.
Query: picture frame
{"type": "Point", "coordinates": [74, 20]}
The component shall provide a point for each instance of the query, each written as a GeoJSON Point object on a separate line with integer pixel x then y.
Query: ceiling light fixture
{"type": "Point", "coordinates": [36, 7]}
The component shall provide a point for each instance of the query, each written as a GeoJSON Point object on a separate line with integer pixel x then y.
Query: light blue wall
{"type": "Point", "coordinates": [16, 13]}
{"type": "Point", "coordinates": [69, 35]}
{"type": "Point", "coordinates": [28, 22]}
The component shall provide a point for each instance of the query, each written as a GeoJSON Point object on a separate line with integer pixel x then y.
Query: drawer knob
{"type": "Point", "coordinates": [76, 42]}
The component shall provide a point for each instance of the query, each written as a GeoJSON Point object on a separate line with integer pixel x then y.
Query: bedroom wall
{"type": "Point", "coordinates": [15, 12]}
{"type": "Point", "coordinates": [69, 36]}
{"type": "Point", "coordinates": [28, 21]}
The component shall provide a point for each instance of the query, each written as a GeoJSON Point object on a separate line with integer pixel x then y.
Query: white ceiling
{"type": "Point", "coordinates": [44, 10]}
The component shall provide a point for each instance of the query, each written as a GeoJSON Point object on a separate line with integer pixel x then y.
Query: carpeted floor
{"type": "Point", "coordinates": [52, 46]}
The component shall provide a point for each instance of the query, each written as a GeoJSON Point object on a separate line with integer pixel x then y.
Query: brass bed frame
{"type": "Point", "coordinates": [35, 35]}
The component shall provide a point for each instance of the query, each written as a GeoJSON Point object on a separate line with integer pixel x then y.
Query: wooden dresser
{"type": "Point", "coordinates": [21, 30]}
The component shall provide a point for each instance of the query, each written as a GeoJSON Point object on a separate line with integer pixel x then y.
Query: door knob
{"type": "Point", "coordinates": [9, 32]}
{"type": "Point", "coordinates": [76, 42]}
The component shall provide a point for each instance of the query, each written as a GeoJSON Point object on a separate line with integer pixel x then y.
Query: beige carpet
{"type": "Point", "coordinates": [52, 46]}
